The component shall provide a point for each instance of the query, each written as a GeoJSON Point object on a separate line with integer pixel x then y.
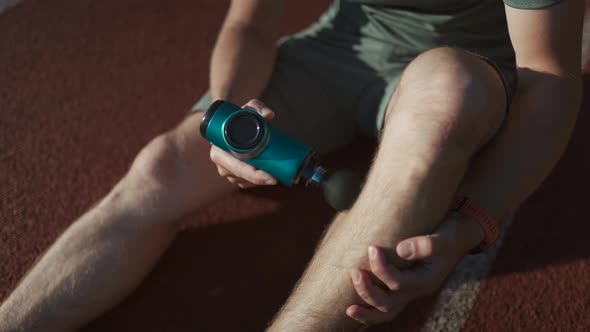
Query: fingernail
{"type": "Point", "coordinates": [270, 181]}
{"type": "Point", "coordinates": [405, 250]}
{"type": "Point", "coordinates": [253, 108]}
{"type": "Point", "coordinates": [372, 252]}
{"type": "Point", "coordinates": [356, 277]}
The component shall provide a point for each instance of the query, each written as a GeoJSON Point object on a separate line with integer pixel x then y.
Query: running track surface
{"type": "Point", "coordinates": [85, 84]}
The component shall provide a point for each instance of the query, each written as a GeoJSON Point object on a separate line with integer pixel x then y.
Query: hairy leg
{"type": "Point", "coordinates": [106, 253]}
{"type": "Point", "coordinates": [448, 104]}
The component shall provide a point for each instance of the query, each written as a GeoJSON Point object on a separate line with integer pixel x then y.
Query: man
{"type": "Point", "coordinates": [452, 122]}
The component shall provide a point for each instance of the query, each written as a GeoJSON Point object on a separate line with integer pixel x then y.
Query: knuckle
{"type": "Point", "coordinates": [221, 171]}
{"type": "Point", "coordinates": [363, 292]}
{"type": "Point", "coordinates": [394, 284]}
{"type": "Point", "coordinates": [387, 277]}
{"type": "Point", "coordinates": [245, 166]}
{"type": "Point", "coordinates": [251, 177]}
{"type": "Point", "coordinates": [243, 175]}
{"type": "Point", "coordinates": [253, 103]}
{"type": "Point", "coordinates": [258, 103]}
{"type": "Point", "coordinates": [380, 270]}
{"type": "Point", "coordinates": [240, 176]}
{"type": "Point", "coordinates": [258, 181]}
{"type": "Point", "coordinates": [363, 320]}
{"type": "Point", "coordinates": [365, 296]}
{"type": "Point", "coordinates": [370, 294]}
{"type": "Point", "coordinates": [387, 306]}
{"type": "Point", "coordinates": [216, 155]}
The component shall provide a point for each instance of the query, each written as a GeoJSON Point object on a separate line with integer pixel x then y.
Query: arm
{"type": "Point", "coordinates": [542, 117]}
{"type": "Point", "coordinates": [241, 67]}
{"type": "Point", "coordinates": [244, 55]}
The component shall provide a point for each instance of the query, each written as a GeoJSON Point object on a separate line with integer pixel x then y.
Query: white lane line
{"type": "Point", "coordinates": [458, 295]}
{"type": "Point", "coordinates": [586, 39]}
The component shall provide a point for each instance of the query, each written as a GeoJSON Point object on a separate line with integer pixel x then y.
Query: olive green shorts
{"type": "Point", "coordinates": [332, 82]}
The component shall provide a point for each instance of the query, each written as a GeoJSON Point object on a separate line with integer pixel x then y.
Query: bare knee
{"type": "Point", "coordinates": [456, 77]}
{"type": "Point", "coordinates": [456, 90]}
{"type": "Point", "coordinates": [176, 164]}
{"type": "Point", "coordinates": [165, 158]}
{"type": "Point", "coordinates": [156, 161]}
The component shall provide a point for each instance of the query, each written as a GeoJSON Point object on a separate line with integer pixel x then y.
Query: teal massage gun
{"type": "Point", "coordinates": [246, 135]}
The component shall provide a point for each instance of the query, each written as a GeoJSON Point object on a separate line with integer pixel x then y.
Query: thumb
{"type": "Point", "coordinates": [422, 247]}
{"type": "Point", "coordinates": [261, 108]}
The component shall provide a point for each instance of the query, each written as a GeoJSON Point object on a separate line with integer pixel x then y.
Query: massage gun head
{"type": "Point", "coordinates": [340, 188]}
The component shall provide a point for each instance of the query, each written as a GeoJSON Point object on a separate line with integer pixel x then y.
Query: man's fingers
{"type": "Point", "coordinates": [223, 172]}
{"type": "Point", "coordinates": [373, 316]}
{"type": "Point", "coordinates": [445, 241]}
{"type": "Point", "coordinates": [386, 272]}
{"type": "Point", "coordinates": [367, 316]}
{"type": "Point", "coordinates": [261, 108]}
{"type": "Point", "coordinates": [233, 179]}
{"type": "Point", "coordinates": [246, 185]}
{"type": "Point", "coordinates": [369, 292]}
{"type": "Point", "coordinates": [243, 184]}
{"type": "Point", "coordinates": [418, 279]}
{"type": "Point", "coordinates": [392, 277]}
{"type": "Point", "coordinates": [423, 247]}
{"type": "Point", "coordinates": [239, 168]}
{"type": "Point", "coordinates": [234, 169]}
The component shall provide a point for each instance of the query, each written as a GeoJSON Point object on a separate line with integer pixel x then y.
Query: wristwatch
{"type": "Point", "coordinates": [489, 225]}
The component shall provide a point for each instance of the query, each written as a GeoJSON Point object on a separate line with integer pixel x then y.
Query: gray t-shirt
{"type": "Point", "coordinates": [417, 25]}
{"type": "Point", "coordinates": [530, 4]}
{"type": "Point", "coordinates": [523, 4]}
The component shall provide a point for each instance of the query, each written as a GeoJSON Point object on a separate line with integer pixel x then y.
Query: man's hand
{"type": "Point", "coordinates": [236, 171]}
{"type": "Point", "coordinates": [435, 256]}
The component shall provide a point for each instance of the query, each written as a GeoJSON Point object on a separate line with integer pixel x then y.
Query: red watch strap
{"type": "Point", "coordinates": [489, 225]}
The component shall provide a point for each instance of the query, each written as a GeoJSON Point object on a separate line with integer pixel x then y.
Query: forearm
{"type": "Point", "coordinates": [99, 260]}
{"type": "Point", "coordinates": [523, 153]}
{"type": "Point", "coordinates": [241, 64]}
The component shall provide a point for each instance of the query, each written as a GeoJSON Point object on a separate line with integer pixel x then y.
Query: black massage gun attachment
{"type": "Point", "coordinates": [340, 188]}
